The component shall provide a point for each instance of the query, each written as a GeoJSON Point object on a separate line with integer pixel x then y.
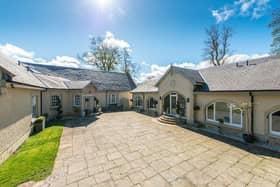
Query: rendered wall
{"type": "Point", "coordinates": [15, 119]}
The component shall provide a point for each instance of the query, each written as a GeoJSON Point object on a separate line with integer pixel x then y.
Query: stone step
{"type": "Point", "coordinates": [167, 120]}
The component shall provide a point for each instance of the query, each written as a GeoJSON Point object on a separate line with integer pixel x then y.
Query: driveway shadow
{"type": "Point", "coordinates": [81, 122]}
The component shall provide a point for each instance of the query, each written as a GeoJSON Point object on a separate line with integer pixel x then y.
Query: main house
{"type": "Point", "coordinates": [234, 99]}
{"type": "Point", "coordinates": [28, 91]}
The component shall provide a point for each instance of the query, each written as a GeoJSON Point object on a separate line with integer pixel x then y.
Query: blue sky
{"type": "Point", "coordinates": [159, 32]}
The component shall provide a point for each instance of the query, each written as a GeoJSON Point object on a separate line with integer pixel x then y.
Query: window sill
{"type": "Point", "coordinates": [274, 135]}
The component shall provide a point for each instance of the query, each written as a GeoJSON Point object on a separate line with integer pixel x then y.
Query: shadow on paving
{"type": "Point", "coordinates": [81, 122]}
{"type": "Point", "coordinates": [252, 148]}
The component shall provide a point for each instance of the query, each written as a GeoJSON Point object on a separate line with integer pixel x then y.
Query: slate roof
{"type": "Point", "coordinates": [259, 74]}
{"type": "Point", "coordinates": [102, 80]}
{"type": "Point", "coordinates": [51, 81]}
{"type": "Point", "coordinates": [76, 85]}
{"type": "Point", "coordinates": [148, 86]}
{"type": "Point", "coordinates": [190, 74]}
{"type": "Point", "coordinates": [21, 73]}
{"type": "Point", "coordinates": [61, 83]}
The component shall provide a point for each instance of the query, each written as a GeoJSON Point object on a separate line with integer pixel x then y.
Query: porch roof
{"type": "Point", "coordinates": [148, 86]}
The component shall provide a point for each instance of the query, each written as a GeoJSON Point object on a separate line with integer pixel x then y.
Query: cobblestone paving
{"type": "Point", "coordinates": [129, 149]}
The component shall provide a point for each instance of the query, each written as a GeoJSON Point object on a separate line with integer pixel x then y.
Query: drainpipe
{"type": "Point", "coordinates": [144, 102]}
{"type": "Point", "coordinates": [106, 103]}
{"type": "Point", "coordinates": [252, 112]}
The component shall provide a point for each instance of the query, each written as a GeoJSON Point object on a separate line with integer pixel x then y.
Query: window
{"type": "Point", "coordinates": [211, 112]}
{"type": "Point", "coordinates": [34, 101]}
{"type": "Point", "coordinates": [138, 101]}
{"type": "Point", "coordinates": [77, 100]}
{"type": "Point", "coordinates": [222, 112]}
{"type": "Point", "coordinates": [152, 103]}
{"type": "Point", "coordinates": [113, 99]}
{"type": "Point", "coordinates": [55, 100]}
{"type": "Point", "coordinates": [229, 114]}
{"type": "Point", "coordinates": [274, 123]}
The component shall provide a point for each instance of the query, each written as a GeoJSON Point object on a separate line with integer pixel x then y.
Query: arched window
{"type": "Point", "coordinates": [228, 114]}
{"type": "Point", "coordinates": [274, 123]}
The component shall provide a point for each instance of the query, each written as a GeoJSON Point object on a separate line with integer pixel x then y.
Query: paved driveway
{"type": "Point", "coordinates": [130, 149]}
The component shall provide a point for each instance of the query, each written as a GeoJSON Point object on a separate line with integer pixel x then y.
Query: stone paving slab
{"type": "Point", "coordinates": [129, 149]}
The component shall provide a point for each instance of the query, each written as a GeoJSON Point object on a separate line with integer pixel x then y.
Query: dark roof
{"type": "Point", "coordinates": [193, 75]}
{"type": "Point", "coordinates": [190, 74]}
{"type": "Point", "coordinates": [20, 73]}
{"type": "Point", "coordinates": [100, 79]}
{"type": "Point", "coordinates": [259, 74]}
{"type": "Point", "coordinates": [147, 86]}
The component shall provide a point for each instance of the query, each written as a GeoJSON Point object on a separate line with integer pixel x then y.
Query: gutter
{"type": "Point", "coordinates": [233, 91]}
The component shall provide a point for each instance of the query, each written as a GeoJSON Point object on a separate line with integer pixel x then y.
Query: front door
{"type": "Point", "coordinates": [173, 104]}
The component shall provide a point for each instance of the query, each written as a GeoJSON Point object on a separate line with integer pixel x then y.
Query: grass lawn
{"type": "Point", "coordinates": [34, 160]}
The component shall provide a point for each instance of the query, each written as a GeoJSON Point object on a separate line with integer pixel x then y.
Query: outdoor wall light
{"type": "Point", "coordinates": [188, 100]}
{"type": "Point", "coordinates": [160, 98]}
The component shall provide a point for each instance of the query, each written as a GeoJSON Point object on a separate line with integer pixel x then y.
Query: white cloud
{"type": "Point", "coordinates": [28, 56]}
{"type": "Point", "coordinates": [250, 8]}
{"type": "Point", "coordinates": [112, 42]}
{"type": "Point", "coordinates": [15, 52]}
{"type": "Point", "coordinates": [223, 14]}
{"type": "Point", "coordinates": [157, 71]}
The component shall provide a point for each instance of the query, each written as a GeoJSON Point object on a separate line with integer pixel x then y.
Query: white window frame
{"type": "Point", "coordinates": [51, 100]}
{"type": "Point", "coordinates": [274, 133]}
{"type": "Point", "coordinates": [230, 115]}
{"type": "Point", "coordinates": [137, 99]}
{"type": "Point", "coordinates": [113, 99]}
{"type": "Point", "coordinates": [34, 105]}
{"type": "Point", "coordinates": [75, 100]}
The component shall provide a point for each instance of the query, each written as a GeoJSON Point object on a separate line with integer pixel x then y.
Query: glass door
{"type": "Point", "coordinates": [173, 104]}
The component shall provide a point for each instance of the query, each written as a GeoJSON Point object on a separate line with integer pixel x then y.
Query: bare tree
{"type": "Point", "coordinates": [275, 26]}
{"type": "Point", "coordinates": [217, 44]}
{"type": "Point", "coordinates": [127, 65]}
{"type": "Point", "coordinates": [103, 56]}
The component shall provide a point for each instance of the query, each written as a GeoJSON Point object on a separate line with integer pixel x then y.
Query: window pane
{"type": "Point", "coordinates": [77, 100]}
{"type": "Point", "coordinates": [236, 115]}
{"type": "Point", "coordinates": [210, 112]}
{"type": "Point", "coordinates": [276, 122]}
{"type": "Point", "coordinates": [222, 112]}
